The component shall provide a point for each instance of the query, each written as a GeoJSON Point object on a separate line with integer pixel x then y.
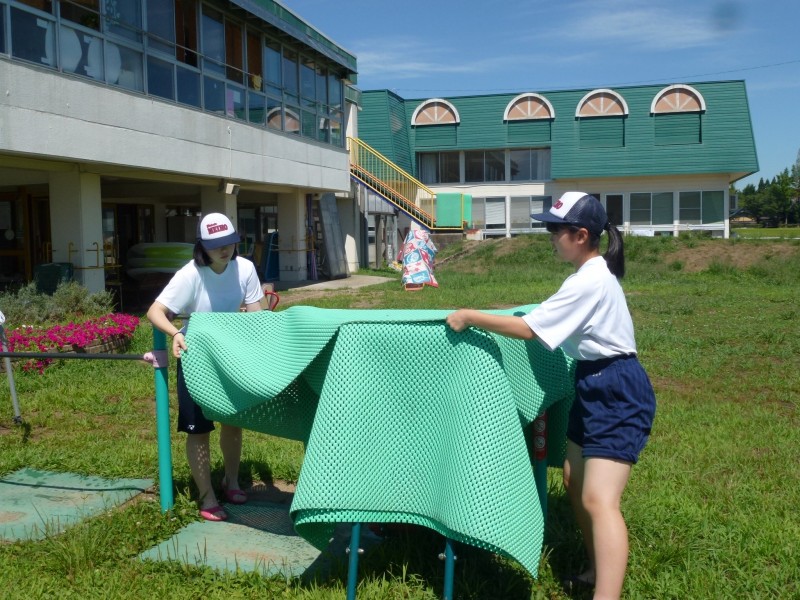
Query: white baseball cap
{"type": "Point", "coordinates": [216, 230]}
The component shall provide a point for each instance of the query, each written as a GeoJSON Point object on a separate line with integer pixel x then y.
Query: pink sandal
{"type": "Point", "coordinates": [233, 496]}
{"type": "Point", "coordinates": [214, 513]}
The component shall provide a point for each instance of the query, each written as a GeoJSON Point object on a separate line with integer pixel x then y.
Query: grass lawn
{"type": "Point", "coordinates": [711, 507]}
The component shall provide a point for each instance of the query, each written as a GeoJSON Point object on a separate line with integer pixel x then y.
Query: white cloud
{"type": "Point", "coordinates": [651, 26]}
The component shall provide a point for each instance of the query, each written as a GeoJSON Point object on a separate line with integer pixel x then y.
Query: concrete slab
{"type": "Point", "coordinates": [37, 503]}
{"type": "Point", "coordinates": [258, 536]}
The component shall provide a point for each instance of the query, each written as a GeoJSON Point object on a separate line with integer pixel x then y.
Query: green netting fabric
{"type": "Point", "coordinates": [403, 419]}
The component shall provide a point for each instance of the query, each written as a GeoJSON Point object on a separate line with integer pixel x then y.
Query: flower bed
{"type": "Point", "coordinates": [110, 333]}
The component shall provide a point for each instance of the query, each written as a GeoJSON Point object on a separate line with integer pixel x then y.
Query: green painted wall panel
{"type": "Point", "coordinates": [727, 138]}
{"type": "Point", "coordinates": [435, 136]}
{"type": "Point", "coordinates": [602, 132]}
{"type": "Point", "coordinates": [530, 133]}
{"type": "Point", "coordinates": [677, 128]}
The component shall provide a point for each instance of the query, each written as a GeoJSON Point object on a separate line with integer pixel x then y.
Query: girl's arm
{"type": "Point", "coordinates": [157, 315]}
{"type": "Point", "coordinates": [252, 307]}
{"type": "Point", "coordinates": [507, 325]}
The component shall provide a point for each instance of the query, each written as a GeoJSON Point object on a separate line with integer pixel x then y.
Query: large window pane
{"type": "Point", "coordinates": [479, 213]}
{"type": "Point", "coordinates": [272, 64]}
{"type": "Point", "coordinates": [290, 81]}
{"type": "Point", "coordinates": [234, 52]}
{"type": "Point", "coordinates": [689, 207]}
{"type": "Point", "coordinates": [308, 83]}
{"type": "Point", "coordinates": [131, 72]}
{"type": "Point", "coordinates": [87, 13]}
{"type": "Point", "coordinates": [713, 207]}
{"type": "Point", "coordinates": [3, 31]}
{"type": "Point", "coordinates": [309, 124]}
{"type": "Point", "coordinates": [124, 18]}
{"type": "Point", "coordinates": [159, 78]}
{"type": "Point", "coordinates": [255, 72]}
{"type": "Point", "coordinates": [214, 95]}
{"type": "Point", "coordinates": [614, 209]}
{"type": "Point", "coordinates": [473, 166]}
{"type": "Point", "coordinates": [662, 208]}
{"type": "Point", "coordinates": [449, 168]}
{"type": "Point", "coordinates": [33, 38]}
{"type": "Point", "coordinates": [495, 168]}
{"type": "Point", "coordinates": [189, 87]}
{"type": "Point", "coordinates": [428, 167]}
{"type": "Point", "coordinates": [186, 31]}
{"type": "Point", "coordinates": [640, 209]}
{"type": "Point", "coordinates": [334, 91]}
{"type": "Point", "coordinates": [161, 26]}
{"type": "Point", "coordinates": [336, 133]}
{"type": "Point", "coordinates": [322, 89]}
{"type": "Point", "coordinates": [520, 212]}
{"type": "Point", "coordinates": [256, 105]}
{"type": "Point", "coordinates": [540, 204]}
{"type": "Point", "coordinates": [234, 102]}
{"type": "Point", "coordinates": [521, 165]}
{"type": "Point", "coordinates": [274, 113]}
{"type": "Point", "coordinates": [213, 41]}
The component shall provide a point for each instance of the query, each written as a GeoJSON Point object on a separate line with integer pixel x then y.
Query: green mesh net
{"type": "Point", "coordinates": [403, 419]}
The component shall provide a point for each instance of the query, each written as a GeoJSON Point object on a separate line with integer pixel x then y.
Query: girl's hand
{"type": "Point", "coordinates": [178, 344]}
{"type": "Point", "coordinates": [459, 320]}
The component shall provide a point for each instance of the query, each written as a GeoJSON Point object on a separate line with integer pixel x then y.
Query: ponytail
{"type": "Point", "coordinates": [615, 254]}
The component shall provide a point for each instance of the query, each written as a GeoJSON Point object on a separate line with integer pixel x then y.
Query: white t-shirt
{"type": "Point", "coordinates": [199, 289]}
{"type": "Point", "coordinates": [588, 317]}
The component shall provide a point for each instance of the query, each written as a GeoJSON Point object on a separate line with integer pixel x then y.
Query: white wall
{"type": "Point", "coordinates": [50, 115]}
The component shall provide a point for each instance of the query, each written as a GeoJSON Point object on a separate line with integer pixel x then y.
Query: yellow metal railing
{"type": "Point", "coordinates": [394, 184]}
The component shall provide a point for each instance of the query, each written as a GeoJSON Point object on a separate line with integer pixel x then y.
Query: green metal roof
{"type": "Point", "coordinates": [726, 145]}
{"type": "Point", "coordinates": [286, 21]}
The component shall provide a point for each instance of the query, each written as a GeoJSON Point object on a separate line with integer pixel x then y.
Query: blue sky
{"type": "Point", "coordinates": [461, 47]}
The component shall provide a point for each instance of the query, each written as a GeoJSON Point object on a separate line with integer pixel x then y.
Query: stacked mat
{"type": "Point", "coordinates": [404, 420]}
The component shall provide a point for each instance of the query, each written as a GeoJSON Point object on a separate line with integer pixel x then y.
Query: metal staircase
{"type": "Point", "coordinates": [373, 170]}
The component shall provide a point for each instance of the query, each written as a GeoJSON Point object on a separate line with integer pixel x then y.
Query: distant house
{"type": "Point", "coordinates": [660, 158]}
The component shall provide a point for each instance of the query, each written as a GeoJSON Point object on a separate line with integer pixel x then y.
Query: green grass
{"type": "Point", "coordinates": [767, 232]}
{"type": "Point", "coordinates": [711, 507]}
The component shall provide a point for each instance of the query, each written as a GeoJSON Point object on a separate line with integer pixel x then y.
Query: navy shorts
{"type": "Point", "coordinates": [190, 416]}
{"type": "Point", "coordinates": [614, 408]}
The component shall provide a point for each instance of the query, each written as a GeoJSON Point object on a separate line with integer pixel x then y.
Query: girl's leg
{"type": "Point", "coordinates": [230, 442]}
{"type": "Point", "coordinates": [604, 480]}
{"type": "Point", "coordinates": [573, 482]}
{"type": "Point", "coordinates": [198, 456]}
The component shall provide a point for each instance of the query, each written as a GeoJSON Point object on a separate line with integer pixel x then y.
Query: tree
{"type": "Point", "coordinates": [778, 197]}
{"type": "Point", "coordinates": [752, 201]}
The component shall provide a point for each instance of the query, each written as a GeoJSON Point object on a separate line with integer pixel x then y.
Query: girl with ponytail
{"type": "Point", "coordinates": [614, 405]}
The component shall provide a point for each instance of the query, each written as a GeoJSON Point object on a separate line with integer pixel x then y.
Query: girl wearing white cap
{"type": "Point", "coordinates": [216, 280]}
{"type": "Point", "coordinates": [614, 405]}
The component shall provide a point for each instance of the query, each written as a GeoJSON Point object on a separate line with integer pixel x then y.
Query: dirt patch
{"type": "Point", "coordinates": [741, 256]}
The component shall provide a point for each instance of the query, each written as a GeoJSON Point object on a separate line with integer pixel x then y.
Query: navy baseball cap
{"type": "Point", "coordinates": [577, 208]}
{"type": "Point", "coordinates": [216, 231]}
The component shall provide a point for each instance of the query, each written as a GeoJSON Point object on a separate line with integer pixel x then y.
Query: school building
{"type": "Point", "coordinates": [660, 158]}
{"type": "Point", "coordinates": [121, 122]}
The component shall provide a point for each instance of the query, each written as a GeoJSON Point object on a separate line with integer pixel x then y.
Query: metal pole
{"type": "Point", "coordinates": [352, 570]}
{"type": "Point", "coordinates": [449, 569]}
{"type": "Point", "coordinates": [162, 424]}
{"type": "Point", "coordinates": [540, 461]}
{"type": "Point", "coordinates": [10, 373]}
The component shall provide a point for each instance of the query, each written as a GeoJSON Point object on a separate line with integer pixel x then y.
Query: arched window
{"type": "Point", "coordinates": [602, 103]}
{"type": "Point", "coordinates": [678, 98]}
{"type": "Point", "coordinates": [527, 107]}
{"type": "Point", "coordinates": [677, 113]}
{"type": "Point", "coordinates": [601, 115]}
{"type": "Point", "coordinates": [435, 112]}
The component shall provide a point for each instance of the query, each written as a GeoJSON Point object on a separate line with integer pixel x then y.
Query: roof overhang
{"type": "Point", "coordinates": [290, 24]}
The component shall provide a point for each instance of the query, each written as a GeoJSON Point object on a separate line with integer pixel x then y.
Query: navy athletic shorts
{"type": "Point", "coordinates": [614, 408]}
{"type": "Point", "coordinates": [190, 416]}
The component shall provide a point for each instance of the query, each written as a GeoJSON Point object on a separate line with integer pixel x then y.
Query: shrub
{"type": "Point", "coordinates": [70, 300]}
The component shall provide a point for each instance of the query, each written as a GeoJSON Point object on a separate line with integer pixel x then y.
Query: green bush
{"type": "Point", "coordinates": [70, 300]}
